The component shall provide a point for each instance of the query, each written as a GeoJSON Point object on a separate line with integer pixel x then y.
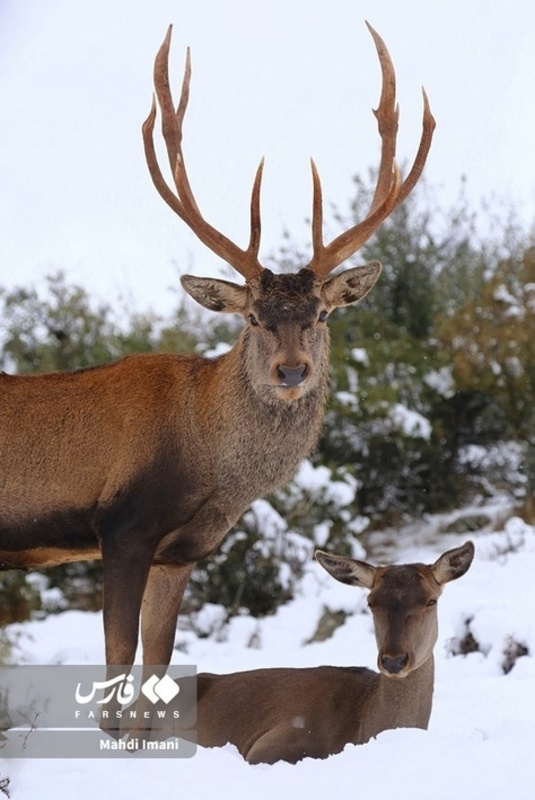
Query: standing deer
{"type": "Point", "coordinates": [148, 462]}
{"type": "Point", "coordinates": [290, 714]}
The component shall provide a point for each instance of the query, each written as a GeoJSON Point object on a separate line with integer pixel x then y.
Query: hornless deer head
{"type": "Point", "coordinates": [286, 314]}
{"type": "Point", "coordinates": [403, 602]}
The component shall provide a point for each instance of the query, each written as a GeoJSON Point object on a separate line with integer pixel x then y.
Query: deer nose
{"type": "Point", "coordinates": [394, 664]}
{"type": "Point", "coordinates": [292, 376]}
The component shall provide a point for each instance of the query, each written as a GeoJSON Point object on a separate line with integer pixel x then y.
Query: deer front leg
{"type": "Point", "coordinates": [161, 603]}
{"type": "Point", "coordinates": [125, 567]}
{"type": "Point", "coordinates": [125, 564]}
{"type": "Point", "coordinates": [174, 560]}
{"type": "Point", "coordinates": [159, 611]}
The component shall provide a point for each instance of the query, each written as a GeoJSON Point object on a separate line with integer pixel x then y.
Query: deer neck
{"type": "Point", "coordinates": [261, 442]}
{"type": "Point", "coordinates": [401, 702]}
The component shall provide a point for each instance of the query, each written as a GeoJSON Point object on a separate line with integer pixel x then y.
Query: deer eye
{"type": "Point", "coordinates": [432, 602]}
{"type": "Point", "coordinates": [253, 320]}
{"type": "Point", "coordinates": [322, 316]}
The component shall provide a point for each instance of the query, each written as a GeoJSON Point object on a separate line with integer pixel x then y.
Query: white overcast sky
{"type": "Point", "coordinates": [287, 79]}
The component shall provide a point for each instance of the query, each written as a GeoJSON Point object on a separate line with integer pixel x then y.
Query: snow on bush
{"type": "Point", "coordinates": [408, 422]}
{"type": "Point", "coordinates": [318, 482]}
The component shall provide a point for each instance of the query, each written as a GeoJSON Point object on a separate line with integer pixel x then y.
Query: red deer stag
{"type": "Point", "coordinates": [148, 462]}
{"type": "Point", "coordinates": [290, 714]}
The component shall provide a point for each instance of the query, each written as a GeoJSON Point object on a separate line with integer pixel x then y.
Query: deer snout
{"type": "Point", "coordinates": [393, 665]}
{"type": "Point", "coordinates": [292, 376]}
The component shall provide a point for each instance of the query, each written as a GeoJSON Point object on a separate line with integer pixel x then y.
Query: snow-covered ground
{"type": "Point", "coordinates": [481, 740]}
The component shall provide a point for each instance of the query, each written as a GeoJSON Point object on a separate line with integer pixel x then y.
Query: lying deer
{"type": "Point", "coordinates": [290, 714]}
{"type": "Point", "coordinates": [147, 463]}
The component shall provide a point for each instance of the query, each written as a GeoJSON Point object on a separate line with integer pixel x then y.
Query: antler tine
{"type": "Point", "coordinates": [387, 116]}
{"type": "Point", "coordinates": [390, 192]}
{"type": "Point", "coordinates": [256, 227]}
{"type": "Point", "coordinates": [428, 126]}
{"type": "Point", "coordinates": [327, 258]}
{"type": "Point", "coordinates": [183, 202]}
{"type": "Point", "coordinates": [317, 209]}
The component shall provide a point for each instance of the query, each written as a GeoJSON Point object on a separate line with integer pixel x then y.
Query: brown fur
{"type": "Point", "coordinates": [149, 461]}
{"type": "Point", "coordinates": [289, 714]}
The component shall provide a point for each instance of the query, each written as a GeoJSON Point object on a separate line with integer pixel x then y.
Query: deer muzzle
{"type": "Point", "coordinates": [292, 376]}
{"type": "Point", "coordinates": [393, 665]}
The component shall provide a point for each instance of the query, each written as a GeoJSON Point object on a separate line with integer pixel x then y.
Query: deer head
{"type": "Point", "coordinates": [285, 314]}
{"type": "Point", "coordinates": [403, 601]}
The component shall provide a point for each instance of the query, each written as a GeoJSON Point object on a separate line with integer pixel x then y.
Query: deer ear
{"type": "Point", "coordinates": [216, 294]}
{"type": "Point", "coordinates": [453, 563]}
{"type": "Point", "coordinates": [347, 570]}
{"type": "Point", "coordinates": [350, 286]}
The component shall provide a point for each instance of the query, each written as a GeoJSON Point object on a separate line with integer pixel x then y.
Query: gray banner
{"type": "Point", "coordinates": [91, 712]}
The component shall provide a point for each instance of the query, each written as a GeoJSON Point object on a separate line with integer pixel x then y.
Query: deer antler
{"type": "Point", "coordinates": [390, 191]}
{"type": "Point", "coordinates": [183, 202]}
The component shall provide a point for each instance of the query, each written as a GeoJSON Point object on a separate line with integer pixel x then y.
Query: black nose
{"type": "Point", "coordinates": [291, 376]}
{"type": "Point", "coordinates": [395, 664]}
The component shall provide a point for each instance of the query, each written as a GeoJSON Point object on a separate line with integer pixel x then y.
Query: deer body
{"type": "Point", "coordinates": [144, 471]}
{"type": "Point", "coordinates": [289, 714]}
{"type": "Point", "coordinates": [148, 462]}
{"type": "Point", "coordinates": [144, 468]}
{"type": "Point", "coordinates": [351, 705]}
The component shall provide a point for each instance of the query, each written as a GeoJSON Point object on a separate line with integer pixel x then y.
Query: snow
{"type": "Point", "coordinates": [317, 481]}
{"type": "Point", "coordinates": [481, 738]}
{"type": "Point", "coordinates": [360, 356]}
{"type": "Point", "coordinates": [348, 399]}
{"type": "Point", "coordinates": [441, 380]}
{"type": "Point", "coordinates": [502, 295]}
{"type": "Point", "coordinates": [409, 422]}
